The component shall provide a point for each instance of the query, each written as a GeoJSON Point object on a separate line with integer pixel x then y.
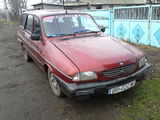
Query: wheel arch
{"type": "Point", "coordinates": [46, 67]}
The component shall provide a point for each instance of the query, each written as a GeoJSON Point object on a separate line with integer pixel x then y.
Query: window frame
{"type": "Point", "coordinates": [34, 23]}
{"type": "Point", "coordinates": [34, 16]}
{"type": "Point", "coordinates": [27, 22]}
{"type": "Point", "coordinates": [23, 20]}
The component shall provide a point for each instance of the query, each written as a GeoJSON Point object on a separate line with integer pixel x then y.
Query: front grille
{"type": "Point", "coordinates": [120, 71]}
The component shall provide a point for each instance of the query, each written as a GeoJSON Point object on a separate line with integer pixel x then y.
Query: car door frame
{"type": "Point", "coordinates": [32, 46]}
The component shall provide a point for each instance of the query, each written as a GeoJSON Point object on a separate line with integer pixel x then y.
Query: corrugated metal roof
{"type": "Point", "coordinates": [114, 1]}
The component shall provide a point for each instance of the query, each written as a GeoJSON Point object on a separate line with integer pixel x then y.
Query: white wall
{"type": "Point", "coordinates": [47, 7]}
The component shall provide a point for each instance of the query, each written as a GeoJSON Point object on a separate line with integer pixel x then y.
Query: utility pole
{"type": "Point", "coordinates": [42, 4]}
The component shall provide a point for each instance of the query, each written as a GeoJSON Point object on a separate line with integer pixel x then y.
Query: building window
{"type": "Point", "coordinates": [99, 7]}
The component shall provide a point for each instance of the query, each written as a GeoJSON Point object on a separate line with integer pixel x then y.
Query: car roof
{"type": "Point", "coordinates": [43, 13]}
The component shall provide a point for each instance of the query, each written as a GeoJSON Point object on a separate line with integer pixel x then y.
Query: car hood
{"type": "Point", "coordinates": [96, 53]}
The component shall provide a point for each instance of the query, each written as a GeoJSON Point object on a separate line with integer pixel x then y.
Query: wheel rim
{"type": "Point", "coordinates": [53, 82]}
{"type": "Point", "coordinates": [54, 85]}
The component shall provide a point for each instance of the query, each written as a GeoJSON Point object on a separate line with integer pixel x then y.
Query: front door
{"type": "Point", "coordinates": [34, 46]}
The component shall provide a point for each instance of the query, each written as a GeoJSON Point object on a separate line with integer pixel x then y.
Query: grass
{"type": "Point", "coordinates": [145, 103]}
{"type": "Point", "coordinates": [5, 22]}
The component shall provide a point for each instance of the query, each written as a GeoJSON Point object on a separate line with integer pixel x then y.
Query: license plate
{"type": "Point", "coordinates": [121, 88]}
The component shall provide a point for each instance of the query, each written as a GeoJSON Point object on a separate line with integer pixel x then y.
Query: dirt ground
{"type": "Point", "coordinates": [25, 93]}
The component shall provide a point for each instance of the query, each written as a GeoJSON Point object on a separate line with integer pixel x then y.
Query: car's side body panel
{"type": "Point", "coordinates": [61, 65]}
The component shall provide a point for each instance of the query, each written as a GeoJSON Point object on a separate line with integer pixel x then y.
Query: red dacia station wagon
{"type": "Point", "coordinates": [79, 58]}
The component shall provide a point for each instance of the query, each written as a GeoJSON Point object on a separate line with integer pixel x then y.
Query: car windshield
{"type": "Point", "coordinates": [61, 25]}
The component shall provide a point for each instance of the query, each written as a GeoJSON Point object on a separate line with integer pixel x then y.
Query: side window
{"type": "Point", "coordinates": [23, 20]}
{"type": "Point", "coordinates": [29, 25]}
{"type": "Point", "coordinates": [36, 26]}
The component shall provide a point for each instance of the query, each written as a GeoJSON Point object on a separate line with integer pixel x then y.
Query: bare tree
{"type": "Point", "coordinates": [15, 7]}
{"type": "Point", "coordinates": [24, 4]}
{"type": "Point", "coordinates": [7, 11]}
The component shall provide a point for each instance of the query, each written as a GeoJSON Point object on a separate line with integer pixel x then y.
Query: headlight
{"type": "Point", "coordinates": [85, 76]}
{"type": "Point", "coordinates": [142, 61]}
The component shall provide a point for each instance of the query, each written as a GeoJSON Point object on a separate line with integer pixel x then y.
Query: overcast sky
{"type": "Point", "coordinates": [30, 2]}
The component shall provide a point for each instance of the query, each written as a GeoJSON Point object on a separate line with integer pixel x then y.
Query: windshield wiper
{"type": "Point", "coordinates": [59, 35]}
{"type": "Point", "coordinates": [86, 31]}
{"type": "Point", "coordinates": [69, 34]}
{"type": "Point", "coordinates": [54, 35]}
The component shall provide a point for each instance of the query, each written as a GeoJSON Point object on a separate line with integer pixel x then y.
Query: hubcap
{"type": "Point", "coordinates": [54, 85]}
{"type": "Point", "coordinates": [54, 82]}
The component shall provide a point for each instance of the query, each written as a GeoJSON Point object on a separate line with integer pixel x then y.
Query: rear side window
{"type": "Point", "coordinates": [23, 20]}
{"type": "Point", "coordinates": [29, 25]}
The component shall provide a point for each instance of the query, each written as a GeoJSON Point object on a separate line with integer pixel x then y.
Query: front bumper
{"type": "Point", "coordinates": [73, 89]}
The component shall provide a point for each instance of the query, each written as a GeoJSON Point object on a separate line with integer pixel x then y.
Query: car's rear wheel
{"type": "Point", "coordinates": [27, 57]}
{"type": "Point", "coordinates": [54, 84]}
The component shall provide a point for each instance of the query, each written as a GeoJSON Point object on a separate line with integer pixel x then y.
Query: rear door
{"type": "Point", "coordinates": [34, 47]}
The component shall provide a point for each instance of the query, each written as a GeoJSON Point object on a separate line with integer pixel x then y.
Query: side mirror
{"type": "Point", "coordinates": [103, 29]}
{"type": "Point", "coordinates": [35, 37]}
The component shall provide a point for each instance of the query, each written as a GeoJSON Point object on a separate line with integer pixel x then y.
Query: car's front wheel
{"type": "Point", "coordinates": [54, 84]}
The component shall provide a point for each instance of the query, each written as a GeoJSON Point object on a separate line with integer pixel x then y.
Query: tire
{"type": "Point", "coordinates": [27, 57]}
{"type": "Point", "coordinates": [56, 89]}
